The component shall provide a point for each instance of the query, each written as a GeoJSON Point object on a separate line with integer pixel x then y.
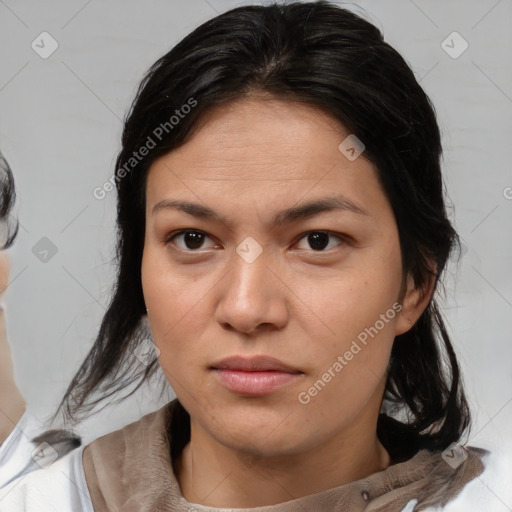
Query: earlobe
{"type": "Point", "coordinates": [414, 303]}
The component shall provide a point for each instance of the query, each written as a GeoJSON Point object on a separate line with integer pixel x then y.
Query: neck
{"type": "Point", "coordinates": [212, 474]}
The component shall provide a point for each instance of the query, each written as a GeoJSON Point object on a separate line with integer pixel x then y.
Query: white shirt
{"type": "Point", "coordinates": [26, 485]}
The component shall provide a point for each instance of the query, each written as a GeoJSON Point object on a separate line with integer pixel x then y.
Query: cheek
{"type": "Point", "coordinates": [164, 292]}
{"type": "Point", "coordinates": [356, 299]}
{"type": "Point", "coordinates": [350, 365]}
{"type": "Point", "coordinates": [358, 312]}
{"type": "Point", "coordinates": [175, 309]}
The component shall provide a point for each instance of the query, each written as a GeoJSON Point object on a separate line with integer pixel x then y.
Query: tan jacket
{"type": "Point", "coordinates": [130, 470]}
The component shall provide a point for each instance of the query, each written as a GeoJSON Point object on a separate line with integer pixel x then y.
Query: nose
{"type": "Point", "coordinates": [253, 296]}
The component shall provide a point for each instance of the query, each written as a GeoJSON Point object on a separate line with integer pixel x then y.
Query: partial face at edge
{"type": "Point", "coordinates": [299, 296]}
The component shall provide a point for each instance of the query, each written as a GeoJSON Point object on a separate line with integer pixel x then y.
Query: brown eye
{"type": "Point", "coordinates": [191, 239]}
{"type": "Point", "coordinates": [319, 240]}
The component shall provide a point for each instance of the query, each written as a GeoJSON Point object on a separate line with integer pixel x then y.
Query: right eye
{"type": "Point", "coordinates": [192, 239]}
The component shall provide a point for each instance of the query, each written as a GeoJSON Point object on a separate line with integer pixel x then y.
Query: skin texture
{"type": "Point", "coordinates": [12, 404]}
{"type": "Point", "coordinates": [248, 161]}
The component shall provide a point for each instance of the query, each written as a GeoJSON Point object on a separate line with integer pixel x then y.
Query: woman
{"type": "Point", "coordinates": [282, 232]}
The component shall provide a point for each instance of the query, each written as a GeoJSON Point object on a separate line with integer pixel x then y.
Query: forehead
{"type": "Point", "coordinates": [263, 149]}
{"type": "Point", "coordinates": [261, 137]}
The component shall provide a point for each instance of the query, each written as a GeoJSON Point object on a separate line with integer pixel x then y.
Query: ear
{"type": "Point", "coordinates": [414, 303]}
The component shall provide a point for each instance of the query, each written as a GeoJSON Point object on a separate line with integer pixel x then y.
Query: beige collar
{"type": "Point", "coordinates": [130, 470]}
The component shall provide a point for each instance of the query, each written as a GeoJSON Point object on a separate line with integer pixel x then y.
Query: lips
{"type": "Point", "coordinates": [256, 376]}
{"type": "Point", "coordinates": [254, 364]}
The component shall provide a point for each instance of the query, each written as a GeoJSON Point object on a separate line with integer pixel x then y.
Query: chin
{"type": "Point", "coordinates": [264, 438]}
{"type": "Point", "coordinates": [262, 447]}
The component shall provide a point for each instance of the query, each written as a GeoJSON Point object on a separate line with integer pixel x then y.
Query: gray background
{"type": "Point", "coordinates": [60, 127]}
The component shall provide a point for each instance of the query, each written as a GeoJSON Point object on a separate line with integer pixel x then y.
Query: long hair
{"type": "Point", "coordinates": [327, 57]}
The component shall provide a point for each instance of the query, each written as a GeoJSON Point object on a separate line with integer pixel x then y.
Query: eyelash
{"type": "Point", "coordinates": [344, 239]}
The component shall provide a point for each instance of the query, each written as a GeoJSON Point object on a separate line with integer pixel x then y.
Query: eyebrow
{"type": "Point", "coordinates": [303, 211]}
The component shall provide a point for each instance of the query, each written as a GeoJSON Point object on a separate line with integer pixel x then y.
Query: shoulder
{"type": "Point", "coordinates": [66, 481]}
{"type": "Point", "coordinates": [490, 491]}
{"type": "Point", "coordinates": [463, 489]}
{"type": "Point", "coordinates": [126, 451]}
{"type": "Point", "coordinates": [16, 449]}
{"type": "Point", "coordinates": [60, 486]}
{"type": "Point", "coordinates": [29, 443]}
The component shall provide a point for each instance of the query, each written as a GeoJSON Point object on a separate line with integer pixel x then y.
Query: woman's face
{"type": "Point", "coordinates": [242, 285]}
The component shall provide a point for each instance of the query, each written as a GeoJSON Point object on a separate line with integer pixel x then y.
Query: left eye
{"type": "Point", "coordinates": [319, 240]}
